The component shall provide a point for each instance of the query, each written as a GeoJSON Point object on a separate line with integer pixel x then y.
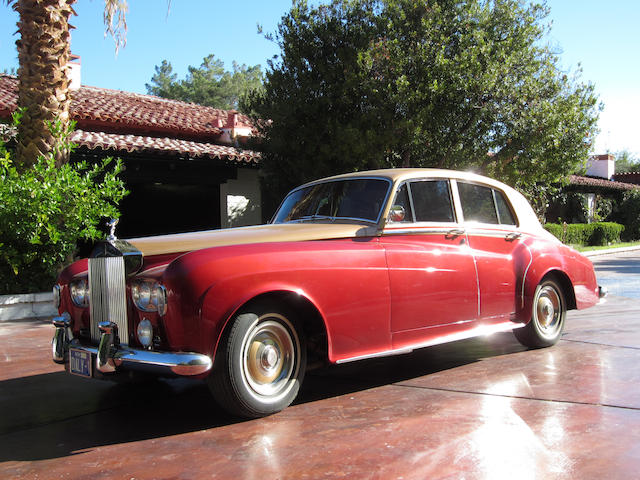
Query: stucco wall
{"type": "Point", "coordinates": [240, 200]}
{"type": "Point", "coordinates": [603, 168]}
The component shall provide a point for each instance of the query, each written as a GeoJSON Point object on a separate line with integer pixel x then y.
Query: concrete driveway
{"type": "Point", "coordinates": [482, 408]}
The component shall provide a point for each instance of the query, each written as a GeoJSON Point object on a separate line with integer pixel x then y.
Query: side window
{"type": "Point", "coordinates": [477, 203]}
{"type": "Point", "coordinates": [504, 212]}
{"type": "Point", "coordinates": [484, 205]}
{"type": "Point", "coordinates": [402, 200]}
{"type": "Point", "coordinates": [432, 201]}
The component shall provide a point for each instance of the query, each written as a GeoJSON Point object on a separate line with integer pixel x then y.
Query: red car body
{"type": "Point", "coordinates": [350, 288]}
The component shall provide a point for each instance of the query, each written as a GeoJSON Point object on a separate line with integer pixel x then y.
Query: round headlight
{"type": "Point", "coordinates": [149, 296]}
{"type": "Point", "coordinates": [141, 293]}
{"type": "Point", "coordinates": [56, 296]}
{"type": "Point", "coordinates": [145, 332]}
{"type": "Point", "coordinates": [79, 289]}
{"type": "Point", "coordinates": [160, 299]}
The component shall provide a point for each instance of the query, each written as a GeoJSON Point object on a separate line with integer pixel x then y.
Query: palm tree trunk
{"type": "Point", "coordinates": [43, 84]}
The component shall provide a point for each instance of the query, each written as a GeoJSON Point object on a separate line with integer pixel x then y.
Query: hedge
{"type": "Point", "coordinates": [597, 233]}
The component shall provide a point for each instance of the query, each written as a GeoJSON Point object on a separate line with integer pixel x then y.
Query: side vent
{"type": "Point", "coordinates": [108, 295]}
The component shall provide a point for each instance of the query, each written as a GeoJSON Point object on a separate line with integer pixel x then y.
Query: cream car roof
{"type": "Point", "coordinates": [527, 219]}
{"type": "Point", "coordinates": [183, 242]}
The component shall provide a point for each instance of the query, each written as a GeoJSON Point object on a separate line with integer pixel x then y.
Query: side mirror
{"type": "Point", "coordinates": [397, 213]}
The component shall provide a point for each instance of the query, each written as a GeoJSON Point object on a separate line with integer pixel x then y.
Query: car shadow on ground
{"type": "Point", "coordinates": [58, 415]}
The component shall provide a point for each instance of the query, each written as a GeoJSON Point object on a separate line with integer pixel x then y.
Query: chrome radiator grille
{"type": "Point", "coordinates": [108, 295]}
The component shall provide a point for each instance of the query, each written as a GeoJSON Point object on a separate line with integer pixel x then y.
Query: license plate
{"type": "Point", "coordinates": [80, 363]}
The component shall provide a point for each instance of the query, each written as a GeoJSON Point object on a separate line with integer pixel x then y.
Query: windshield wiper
{"type": "Point", "coordinates": [314, 217]}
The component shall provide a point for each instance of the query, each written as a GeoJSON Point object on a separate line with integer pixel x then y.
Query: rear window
{"type": "Point", "coordinates": [484, 205]}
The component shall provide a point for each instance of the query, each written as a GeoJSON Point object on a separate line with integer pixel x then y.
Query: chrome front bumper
{"type": "Point", "coordinates": [602, 291]}
{"type": "Point", "coordinates": [111, 358]}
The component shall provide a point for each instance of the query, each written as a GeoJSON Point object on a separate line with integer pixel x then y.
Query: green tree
{"type": "Point", "coordinates": [209, 84]}
{"type": "Point", "coordinates": [46, 203]}
{"type": "Point", "coordinates": [46, 208]}
{"type": "Point", "coordinates": [626, 162]}
{"type": "Point", "coordinates": [464, 84]}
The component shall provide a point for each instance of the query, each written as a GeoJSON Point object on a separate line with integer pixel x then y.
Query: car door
{"type": "Point", "coordinates": [497, 246]}
{"type": "Point", "coordinates": [431, 270]}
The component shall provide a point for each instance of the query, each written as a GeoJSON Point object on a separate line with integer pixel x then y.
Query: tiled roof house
{"type": "Point", "coordinates": [599, 181]}
{"type": "Point", "coordinates": [184, 164]}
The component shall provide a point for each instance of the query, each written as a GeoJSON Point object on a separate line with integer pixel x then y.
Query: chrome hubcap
{"type": "Point", "coordinates": [270, 356]}
{"type": "Point", "coordinates": [548, 310]}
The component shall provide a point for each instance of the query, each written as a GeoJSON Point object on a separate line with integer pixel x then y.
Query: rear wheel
{"type": "Point", "coordinates": [261, 362]}
{"type": "Point", "coordinates": [547, 318]}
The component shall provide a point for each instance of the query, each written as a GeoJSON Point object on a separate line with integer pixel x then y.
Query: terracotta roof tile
{"type": "Point", "coordinates": [600, 182]}
{"type": "Point", "coordinates": [125, 112]}
{"type": "Point", "coordinates": [8, 95]}
{"type": "Point", "coordinates": [162, 145]}
{"type": "Point", "coordinates": [627, 177]}
{"type": "Point", "coordinates": [124, 121]}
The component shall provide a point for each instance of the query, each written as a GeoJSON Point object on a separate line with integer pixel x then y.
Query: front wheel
{"type": "Point", "coordinates": [261, 362]}
{"type": "Point", "coordinates": [547, 317]}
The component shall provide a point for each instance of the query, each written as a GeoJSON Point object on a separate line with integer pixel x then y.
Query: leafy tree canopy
{"type": "Point", "coordinates": [626, 162]}
{"type": "Point", "coordinates": [209, 84]}
{"type": "Point", "coordinates": [463, 84]}
{"type": "Point", "coordinates": [47, 208]}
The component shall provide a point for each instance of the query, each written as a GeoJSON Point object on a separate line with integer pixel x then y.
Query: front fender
{"type": "Point", "coordinates": [346, 280]}
{"type": "Point", "coordinates": [219, 308]}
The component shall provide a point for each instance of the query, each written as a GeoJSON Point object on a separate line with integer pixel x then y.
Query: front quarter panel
{"type": "Point", "coordinates": [346, 280]}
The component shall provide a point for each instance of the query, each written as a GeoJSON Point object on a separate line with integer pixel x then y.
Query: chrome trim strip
{"type": "Point", "coordinates": [524, 276]}
{"type": "Point", "coordinates": [419, 231]}
{"type": "Point", "coordinates": [475, 266]}
{"type": "Point", "coordinates": [474, 332]}
{"type": "Point", "coordinates": [486, 232]}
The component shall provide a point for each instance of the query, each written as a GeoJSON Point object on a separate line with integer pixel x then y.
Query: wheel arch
{"type": "Point", "coordinates": [560, 277]}
{"type": "Point", "coordinates": [307, 314]}
{"type": "Point", "coordinates": [563, 280]}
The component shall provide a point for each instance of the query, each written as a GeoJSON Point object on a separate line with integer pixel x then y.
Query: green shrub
{"type": "Point", "coordinates": [555, 229]}
{"type": "Point", "coordinates": [605, 233]}
{"type": "Point", "coordinates": [570, 207]}
{"type": "Point", "coordinates": [45, 210]}
{"type": "Point", "coordinates": [592, 234]}
{"type": "Point", "coordinates": [629, 215]}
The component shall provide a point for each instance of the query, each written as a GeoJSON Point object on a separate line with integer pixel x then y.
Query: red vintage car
{"type": "Point", "coordinates": [351, 267]}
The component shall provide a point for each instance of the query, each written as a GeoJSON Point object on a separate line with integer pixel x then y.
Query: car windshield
{"type": "Point", "coordinates": [357, 199]}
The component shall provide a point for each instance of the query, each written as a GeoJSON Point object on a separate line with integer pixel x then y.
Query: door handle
{"type": "Point", "coordinates": [510, 237]}
{"type": "Point", "coordinates": [456, 232]}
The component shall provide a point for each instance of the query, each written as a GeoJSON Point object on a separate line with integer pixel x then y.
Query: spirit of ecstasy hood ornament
{"type": "Point", "coordinates": [113, 247]}
{"type": "Point", "coordinates": [112, 233]}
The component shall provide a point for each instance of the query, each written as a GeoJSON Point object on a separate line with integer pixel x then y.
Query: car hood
{"type": "Point", "coordinates": [283, 232]}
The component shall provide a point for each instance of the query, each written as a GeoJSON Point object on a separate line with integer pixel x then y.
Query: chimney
{"type": "Point", "coordinates": [603, 166]}
{"type": "Point", "coordinates": [73, 72]}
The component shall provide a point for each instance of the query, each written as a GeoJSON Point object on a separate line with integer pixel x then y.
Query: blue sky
{"type": "Point", "coordinates": [604, 37]}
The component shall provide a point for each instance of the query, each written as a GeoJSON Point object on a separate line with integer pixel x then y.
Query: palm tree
{"type": "Point", "coordinates": [43, 56]}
